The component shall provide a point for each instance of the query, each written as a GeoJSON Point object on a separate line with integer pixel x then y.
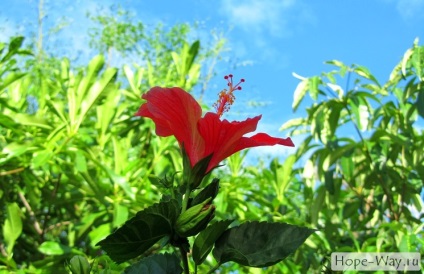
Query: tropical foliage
{"type": "Point", "coordinates": [75, 163]}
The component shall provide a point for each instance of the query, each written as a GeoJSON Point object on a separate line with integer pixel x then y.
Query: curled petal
{"type": "Point", "coordinates": [175, 112]}
{"type": "Point", "coordinates": [222, 137]}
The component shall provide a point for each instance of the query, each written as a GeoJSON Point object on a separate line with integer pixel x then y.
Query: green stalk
{"type": "Point", "coordinates": [185, 261]}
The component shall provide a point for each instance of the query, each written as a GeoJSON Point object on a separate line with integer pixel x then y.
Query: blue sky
{"type": "Point", "coordinates": [267, 39]}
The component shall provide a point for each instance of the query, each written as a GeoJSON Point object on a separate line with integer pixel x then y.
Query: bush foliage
{"type": "Point", "coordinates": [75, 163]}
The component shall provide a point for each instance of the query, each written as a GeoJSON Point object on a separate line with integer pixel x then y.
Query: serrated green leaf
{"type": "Point", "coordinates": [156, 264]}
{"type": "Point", "coordinates": [206, 239]}
{"type": "Point", "coordinates": [259, 244]}
{"type": "Point", "coordinates": [138, 234]}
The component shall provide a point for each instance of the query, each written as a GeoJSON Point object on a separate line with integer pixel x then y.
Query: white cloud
{"type": "Point", "coordinates": [7, 30]}
{"type": "Point", "coordinates": [270, 17]}
{"type": "Point", "coordinates": [409, 9]}
{"type": "Point", "coordinates": [263, 24]}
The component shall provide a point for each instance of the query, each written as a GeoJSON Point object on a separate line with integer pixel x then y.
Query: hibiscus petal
{"type": "Point", "coordinates": [222, 137]}
{"type": "Point", "coordinates": [262, 139]}
{"type": "Point", "coordinates": [174, 112]}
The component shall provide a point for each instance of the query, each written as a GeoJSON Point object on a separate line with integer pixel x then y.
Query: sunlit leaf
{"type": "Point", "coordinates": [299, 93]}
{"type": "Point", "coordinates": [54, 248]}
{"type": "Point", "coordinates": [12, 227]}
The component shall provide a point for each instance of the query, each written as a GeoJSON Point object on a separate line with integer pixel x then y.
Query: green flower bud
{"type": "Point", "coordinates": [79, 265]}
{"type": "Point", "coordinates": [195, 219]}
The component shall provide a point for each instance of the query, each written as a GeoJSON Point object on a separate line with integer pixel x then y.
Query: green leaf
{"type": "Point", "coordinates": [14, 150]}
{"type": "Point", "coordinates": [334, 117]}
{"type": "Point", "coordinates": [293, 123]}
{"type": "Point", "coordinates": [54, 248]}
{"type": "Point", "coordinates": [364, 72]}
{"type": "Point", "coordinates": [138, 234]}
{"type": "Point", "coordinates": [14, 45]}
{"type": "Point", "coordinates": [40, 158]}
{"type": "Point", "coordinates": [98, 233]}
{"type": "Point", "coordinates": [350, 208]}
{"type": "Point", "coordinates": [299, 93]}
{"type": "Point", "coordinates": [347, 166]}
{"type": "Point", "coordinates": [406, 56]}
{"type": "Point", "coordinates": [360, 111]}
{"type": "Point", "coordinates": [420, 100]}
{"type": "Point", "coordinates": [329, 181]}
{"type": "Point", "coordinates": [12, 227]}
{"type": "Point", "coordinates": [259, 244]}
{"type": "Point", "coordinates": [313, 84]}
{"type": "Point", "coordinates": [156, 264]}
{"type": "Point", "coordinates": [317, 204]}
{"type": "Point", "coordinates": [80, 161]}
{"type": "Point", "coordinates": [192, 53]}
{"type": "Point", "coordinates": [282, 174]}
{"type": "Point", "coordinates": [30, 120]}
{"type": "Point", "coordinates": [10, 78]}
{"type": "Point", "coordinates": [206, 239]}
{"type": "Point", "coordinates": [120, 214]}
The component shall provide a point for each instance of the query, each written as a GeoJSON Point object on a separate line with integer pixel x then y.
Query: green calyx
{"type": "Point", "coordinates": [194, 175]}
{"type": "Point", "coordinates": [194, 219]}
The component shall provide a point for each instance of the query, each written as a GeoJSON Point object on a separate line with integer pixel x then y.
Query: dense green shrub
{"type": "Point", "coordinates": [75, 163]}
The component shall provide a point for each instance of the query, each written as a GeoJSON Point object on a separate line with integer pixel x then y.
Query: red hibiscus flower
{"type": "Point", "coordinates": [176, 112]}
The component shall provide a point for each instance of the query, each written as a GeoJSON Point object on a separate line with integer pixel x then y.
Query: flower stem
{"type": "Point", "coordinates": [185, 260]}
